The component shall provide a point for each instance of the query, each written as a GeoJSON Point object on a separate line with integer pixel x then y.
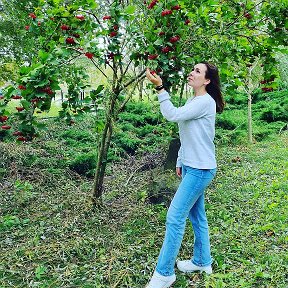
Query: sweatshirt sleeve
{"type": "Point", "coordinates": [192, 110]}
{"type": "Point", "coordinates": [178, 162]}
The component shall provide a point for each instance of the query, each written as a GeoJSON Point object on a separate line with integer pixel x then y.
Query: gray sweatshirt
{"type": "Point", "coordinates": [196, 121]}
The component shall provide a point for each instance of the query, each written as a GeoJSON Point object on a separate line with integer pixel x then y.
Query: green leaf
{"type": "Point", "coordinates": [99, 126]}
{"type": "Point", "coordinates": [40, 126]}
{"type": "Point", "coordinates": [99, 89]}
{"type": "Point", "coordinates": [25, 104]}
{"type": "Point", "coordinates": [11, 90]}
{"type": "Point", "coordinates": [238, 82]}
{"type": "Point", "coordinates": [130, 9]}
{"type": "Point", "coordinates": [43, 55]}
{"type": "Point", "coordinates": [159, 42]}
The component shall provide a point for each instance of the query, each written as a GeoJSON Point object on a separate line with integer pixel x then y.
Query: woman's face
{"type": "Point", "coordinates": [196, 78]}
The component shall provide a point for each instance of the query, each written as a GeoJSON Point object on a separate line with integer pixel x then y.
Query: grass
{"type": "Point", "coordinates": [51, 237]}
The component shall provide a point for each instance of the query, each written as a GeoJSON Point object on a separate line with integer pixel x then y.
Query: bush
{"type": "Point", "coordinates": [276, 96]}
{"type": "Point", "coordinates": [127, 141]}
{"type": "Point", "coordinates": [263, 130]}
{"type": "Point", "coordinates": [237, 99]}
{"type": "Point", "coordinates": [76, 134]}
{"type": "Point", "coordinates": [275, 113]}
{"type": "Point", "coordinates": [84, 164]}
{"type": "Point", "coordinates": [135, 119]}
{"type": "Point", "coordinates": [225, 137]}
{"type": "Point", "coordinates": [230, 119]}
{"type": "Point", "coordinates": [227, 123]}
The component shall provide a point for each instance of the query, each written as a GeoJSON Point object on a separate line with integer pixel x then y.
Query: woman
{"type": "Point", "coordinates": [196, 164]}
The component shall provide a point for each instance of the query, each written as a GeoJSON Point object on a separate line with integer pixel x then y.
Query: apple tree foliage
{"type": "Point", "coordinates": [120, 37]}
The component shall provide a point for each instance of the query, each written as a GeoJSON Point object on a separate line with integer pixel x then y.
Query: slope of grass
{"type": "Point", "coordinates": [51, 237]}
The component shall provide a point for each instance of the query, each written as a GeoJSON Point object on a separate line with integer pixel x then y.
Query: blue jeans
{"type": "Point", "coordinates": [188, 202]}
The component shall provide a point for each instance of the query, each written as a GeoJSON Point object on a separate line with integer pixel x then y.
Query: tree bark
{"type": "Point", "coordinates": [141, 90]}
{"type": "Point", "coordinates": [102, 153]}
{"type": "Point", "coordinates": [101, 167]}
{"type": "Point", "coordinates": [250, 132]}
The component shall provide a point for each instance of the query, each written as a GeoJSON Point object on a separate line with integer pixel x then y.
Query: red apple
{"type": "Point", "coordinates": [6, 127]}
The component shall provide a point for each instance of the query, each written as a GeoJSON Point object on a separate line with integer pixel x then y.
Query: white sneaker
{"type": "Point", "coordinates": [187, 266]}
{"type": "Point", "coordinates": [159, 281]}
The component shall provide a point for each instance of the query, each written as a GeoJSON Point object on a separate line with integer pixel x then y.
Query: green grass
{"type": "Point", "coordinates": [50, 236]}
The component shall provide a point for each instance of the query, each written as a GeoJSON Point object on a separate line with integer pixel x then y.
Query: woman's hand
{"type": "Point", "coordinates": [179, 172]}
{"type": "Point", "coordinates": [153, 77]}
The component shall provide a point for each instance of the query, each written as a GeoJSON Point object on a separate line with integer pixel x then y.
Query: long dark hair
{"type": "Point", "coordinates": [213, 88]}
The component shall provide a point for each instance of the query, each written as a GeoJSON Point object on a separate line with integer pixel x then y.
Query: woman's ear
{"type": "Point", "coordinates": [207, 82]}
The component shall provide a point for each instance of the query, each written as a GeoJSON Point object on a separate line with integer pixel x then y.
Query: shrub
{"type": "Point", "coordinates": [84, 164]}
{"type": "Point", "coordinates": [263, 130]}
{"type": "Point", "coordinates": [135, 119]}
{"type": "Point", "coordinates": [275, 113]}
{"type": "Point", "coordinates": [76, 134]}
{"type": "Point", "coordinates": [127, 141]}
{"type": "Point", "coordinates": [275, 96]}
{"type": "Point", "coordinates": [227, 123]}
{"type": "Point", "coordinates": [238, 99]}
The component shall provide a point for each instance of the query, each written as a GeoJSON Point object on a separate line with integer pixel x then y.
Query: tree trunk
{"type": "Point", "coordinates": [101, 166]}
{"type": "Point", "coordinates": [250, 118]}
{"type": "Point", "coordinates": [141, 90]}
{"type": "Point", "coordinates": [102, 154]}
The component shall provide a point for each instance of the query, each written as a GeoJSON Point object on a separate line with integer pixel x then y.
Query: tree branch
{"type": "Point", "coordinates": [242, 15]}
{"type": "Point", "coordinates": [95, 64]}
{"type": "Point", "coordinates": [133, 79]}
{"type": "Point", "coordinates": [130, 95]}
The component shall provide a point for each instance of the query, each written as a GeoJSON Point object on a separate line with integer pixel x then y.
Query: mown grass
{"type": "Point", "coordinates": [51, 237]}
